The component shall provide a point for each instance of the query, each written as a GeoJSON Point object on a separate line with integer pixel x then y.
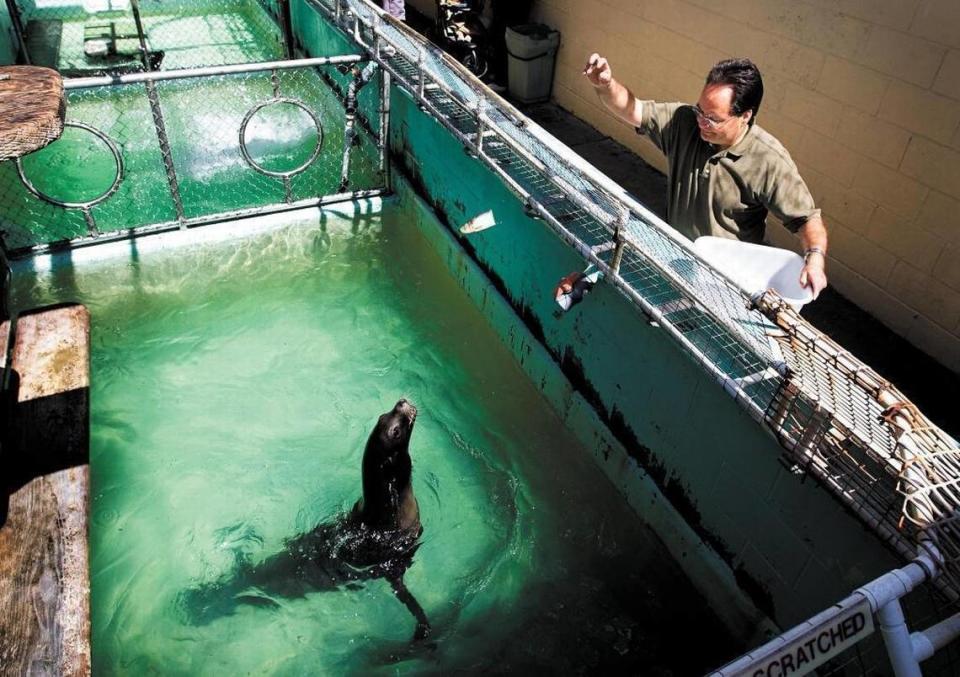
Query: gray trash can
{"type": "Point", "coordinates": [531, 55]}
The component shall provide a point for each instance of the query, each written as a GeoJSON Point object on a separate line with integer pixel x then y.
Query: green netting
{"type": "Point", "coordinates": [123, 114]}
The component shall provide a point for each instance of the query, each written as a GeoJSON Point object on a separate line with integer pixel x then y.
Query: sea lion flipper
{"type": "Point", "coordinates": [413, 606]}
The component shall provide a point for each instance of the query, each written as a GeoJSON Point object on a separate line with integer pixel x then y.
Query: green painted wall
{"type": "Point", "coordinates": [791, 547]}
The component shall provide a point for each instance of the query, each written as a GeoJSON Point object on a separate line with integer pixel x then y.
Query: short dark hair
{"type": "Point", "coordinates": [744, 76]}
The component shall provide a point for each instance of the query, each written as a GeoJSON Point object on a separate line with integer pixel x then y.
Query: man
{"type": "Point", "coordinates": [725, 172]}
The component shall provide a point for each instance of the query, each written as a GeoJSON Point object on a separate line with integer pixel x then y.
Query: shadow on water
{"type": "Point", "coordinates": [377, 539]}
{"type": "Point", "coordinates": [334, 555]}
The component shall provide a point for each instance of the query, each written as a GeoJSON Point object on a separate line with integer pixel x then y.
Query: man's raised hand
{"type": "Point", "coordinates": [598, 71]}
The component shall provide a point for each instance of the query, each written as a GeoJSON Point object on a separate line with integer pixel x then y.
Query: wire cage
{"type": "Point", "coordinates": [867, 442]}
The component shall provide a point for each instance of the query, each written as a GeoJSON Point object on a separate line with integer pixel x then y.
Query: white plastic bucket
{"type": "Point", "coordinates": [756, 267]}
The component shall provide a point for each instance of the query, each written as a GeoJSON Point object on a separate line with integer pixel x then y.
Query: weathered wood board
{"type": "Point", "coordinates": [44, 577]}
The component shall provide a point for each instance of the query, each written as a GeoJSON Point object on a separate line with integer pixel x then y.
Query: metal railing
{"type": "Point", "coordinates": [813, 398]}
{"type": "Point", "coordinates": [188, 136]}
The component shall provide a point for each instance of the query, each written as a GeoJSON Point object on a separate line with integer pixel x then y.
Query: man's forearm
{"type": "Point", "coordinates": [813, 235]}
{"type": "Point", "coordinates": [621, 102]}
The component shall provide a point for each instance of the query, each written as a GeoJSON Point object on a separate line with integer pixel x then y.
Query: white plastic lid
{"type": "Point", "coordinates": [756, 267]}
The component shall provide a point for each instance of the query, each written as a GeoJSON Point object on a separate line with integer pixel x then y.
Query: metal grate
{"type": "Point", "coordinates": [816, 399]}
{"type": "Point", "coordinates": [871, 446]}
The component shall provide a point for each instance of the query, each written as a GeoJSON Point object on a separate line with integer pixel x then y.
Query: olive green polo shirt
{"type": "Point", "coordinates": [726, 193]}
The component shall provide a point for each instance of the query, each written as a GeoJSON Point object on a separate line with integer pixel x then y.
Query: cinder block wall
{"type": "Point", "coordinates": [865, 94]}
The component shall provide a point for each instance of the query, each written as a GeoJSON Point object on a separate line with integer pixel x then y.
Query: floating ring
{"type": "Point", "coordinates": [111, 146]}
{"type": "Point", "coordinates": [253, 111]}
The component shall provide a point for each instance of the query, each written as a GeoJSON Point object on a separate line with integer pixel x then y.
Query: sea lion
{"type": "Point", "coordinates": [388, 503]}
{"type": "Point", "coordinates": [377, 539]}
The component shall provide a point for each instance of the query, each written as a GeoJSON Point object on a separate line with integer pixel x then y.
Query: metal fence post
{"type": "Point", "coordinates": [144, 53]}
{"type": "Point", "coordinates": [619, 241]}
{"type": "Point", "coordinates": [385, 126]}
{"type": "Point", "coordinates": [167, 155]}
{"type": "Point", "coordinates": [17, 21]}
{"type": "Point", "coordinates": [286, 27]}
{"type": "Point", "coordinates": [481, 124]}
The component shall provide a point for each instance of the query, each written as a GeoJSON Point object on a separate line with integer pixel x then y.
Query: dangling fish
{"type": "Point", "coordinates": [572, 288]}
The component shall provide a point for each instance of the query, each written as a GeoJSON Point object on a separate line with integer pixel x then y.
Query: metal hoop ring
{"type": "Point", "coordinates": [117, 158]}
{"type": "Point", "coordinates": [253, 111]}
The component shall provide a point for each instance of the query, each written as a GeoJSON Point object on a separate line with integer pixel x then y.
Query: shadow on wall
{"type": "Point", "coordinates": [42, 432]}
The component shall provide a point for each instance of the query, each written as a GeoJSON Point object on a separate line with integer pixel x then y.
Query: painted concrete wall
{"type": "Point", "coordinates": [865, 94]}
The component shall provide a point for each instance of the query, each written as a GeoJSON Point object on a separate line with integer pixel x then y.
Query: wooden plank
{"type": "Point", "coordinates": [45, 626]}
{"type": "Point", "coordinates": [52, 351]}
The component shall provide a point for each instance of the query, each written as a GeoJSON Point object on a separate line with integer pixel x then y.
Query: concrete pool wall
{"type": "Point", "coordinates": [675, 444]}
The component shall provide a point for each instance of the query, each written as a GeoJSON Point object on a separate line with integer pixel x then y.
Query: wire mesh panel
{"type": "Point", "coordinates": [178, 149]}
{"type": "Point", "coordinates": [102, 36]}
{"type": "Point", "coordinates": [868, 443]}
{"type": "Point", "coordinates": [291, 121]}
{"type": "Point", "coordinates": [80, 168]}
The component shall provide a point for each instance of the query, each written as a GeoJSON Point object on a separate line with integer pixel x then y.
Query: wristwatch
{"type": "Point", "coordinates": [812, 250]}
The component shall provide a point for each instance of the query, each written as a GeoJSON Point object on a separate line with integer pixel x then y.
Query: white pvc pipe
{"type": "Point", "coordinates": [156, 76]}
{"type": "Point", "coordinates": [929, 641]}
{"type": "Point", "coordinates": [896, 637]}
{"type": "Point", "coordinates": [883, 594]}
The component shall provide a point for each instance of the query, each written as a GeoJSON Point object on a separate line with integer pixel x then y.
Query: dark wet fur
{"type": "Point", "coordinates": [378, 539]}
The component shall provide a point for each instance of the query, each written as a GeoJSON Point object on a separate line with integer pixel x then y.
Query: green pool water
{"type": "Point", "coordinates": [234, 383]}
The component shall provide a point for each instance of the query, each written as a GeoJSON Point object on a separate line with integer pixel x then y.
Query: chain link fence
{"type": "Point", "coordinates": [158, 151]}
{"type": "Point", "coordinates": [104, 36]}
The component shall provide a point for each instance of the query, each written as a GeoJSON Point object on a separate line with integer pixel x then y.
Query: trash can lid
{"type": "Point", "coordinates": [534, 30]}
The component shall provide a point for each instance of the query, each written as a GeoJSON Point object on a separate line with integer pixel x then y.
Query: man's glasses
{"type": "Point", "coordinates": [712, 123]}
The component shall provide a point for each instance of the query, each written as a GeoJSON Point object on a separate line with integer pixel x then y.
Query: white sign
{"type": "Point", "coordinates": [815, 646]}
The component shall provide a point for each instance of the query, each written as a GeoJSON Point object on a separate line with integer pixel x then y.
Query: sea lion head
{"type": "Point", "coordinates": [394, 428]}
